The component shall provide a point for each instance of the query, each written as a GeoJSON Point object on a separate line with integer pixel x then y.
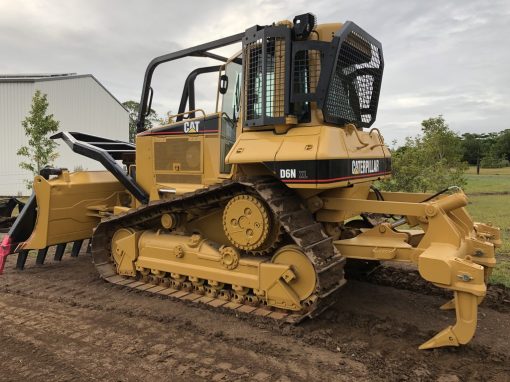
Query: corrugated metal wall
{"type": "Point", "coordinates": [80, 104]}
{"type": "Point", "coordinates": [15, 101]}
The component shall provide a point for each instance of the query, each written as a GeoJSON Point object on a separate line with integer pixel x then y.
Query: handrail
{"type": "Point", "coordinates": [350, 127]}
{"type": "Point", "coordinates": [381, 139]}
{"type": "Point", "coordinates": [187, 112]}
{"type": "Point", "coordinates": [188, 92]}
{"type": "Point", "coordinates": [376, 145]}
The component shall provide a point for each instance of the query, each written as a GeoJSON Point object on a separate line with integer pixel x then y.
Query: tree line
{"type": "Point", "coordinates": [490, 150]}
{"type": "Point", "coordinates": [439, 157]}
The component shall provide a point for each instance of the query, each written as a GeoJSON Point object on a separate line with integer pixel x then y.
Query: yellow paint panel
{"type": "Point", "coordinates": [298, 147]}
{"type": "Point", "coordinates": [255, 148]}
{"type": "Point", "coordinates": [67, 206]}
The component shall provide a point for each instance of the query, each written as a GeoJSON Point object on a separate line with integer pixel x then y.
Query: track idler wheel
{"type": "Point", "coordinates": [305, 280]}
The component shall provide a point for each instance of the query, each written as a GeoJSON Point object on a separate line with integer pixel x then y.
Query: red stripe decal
{"type": "Point", "coordinates": [331, 180]}
{"type": "Point", "coordinates": [177, 132]}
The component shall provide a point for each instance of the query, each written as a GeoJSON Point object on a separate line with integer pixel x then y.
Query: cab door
{"type": "Point", "coordinates": [230, 107]}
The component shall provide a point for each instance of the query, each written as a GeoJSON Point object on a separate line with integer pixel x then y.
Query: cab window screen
{"type": "Point", "coordinates": [266, 54]}
{"type": "Point", "coordinates": [354, 88]}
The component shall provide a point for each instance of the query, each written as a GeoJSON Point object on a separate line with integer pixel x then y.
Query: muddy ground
{"type": "Point", "coordinates": [60, 322]}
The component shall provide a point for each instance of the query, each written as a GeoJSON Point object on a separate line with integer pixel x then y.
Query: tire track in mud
{"type": "Point", "coordinates": [61, 322]}
{"type": "Point", "coordinates": [105, 345]}
{"type": "Point", "coordinates": [103, 341]}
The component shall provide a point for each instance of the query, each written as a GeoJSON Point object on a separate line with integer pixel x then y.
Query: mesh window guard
{"type": "Point", "coordinates": [266, 55]}
{"type": "Point", "coordinates": [253, 84]}
{"type": "Point", "coordinates": [307, 68]}
{"type": "Point", "coordinates": [355, 84]}
{"type": "Point", "coordinates": [283, 77]}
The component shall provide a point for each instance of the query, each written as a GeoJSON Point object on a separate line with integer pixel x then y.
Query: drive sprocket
{"type": "Point", "coordinates": [248, 223]}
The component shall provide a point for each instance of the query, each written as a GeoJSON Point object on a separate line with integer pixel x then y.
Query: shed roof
{"type": "Point", "coordinates": [40, 77]}
{"type": "Point", "coordinates": [34, 76]}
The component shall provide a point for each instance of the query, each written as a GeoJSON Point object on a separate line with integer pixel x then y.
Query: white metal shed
{"type": "Point", "coordinates": [80, 102]}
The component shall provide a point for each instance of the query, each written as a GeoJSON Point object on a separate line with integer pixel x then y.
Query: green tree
{"type": "Point", "coordinates": [474, 147]}
{"type": "Point", "coordinates": [494, 158]}
{"type": "Point", "coordinates": [489, 150]}
{"type": "Point", "coordinates": [503, 144]}
{"type": "Point", "coordinates": [429, 162]}
{"type": "Point", "coordinates": [150, 120]}
{"type": "Point", "coordinates": [40, 150]}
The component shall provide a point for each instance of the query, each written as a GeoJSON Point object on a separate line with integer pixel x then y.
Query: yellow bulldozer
{"type": "Point", "coordinates": [259, 206]}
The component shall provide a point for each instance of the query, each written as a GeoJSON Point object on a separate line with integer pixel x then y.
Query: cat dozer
{"type": "Point", "coordinates": [258, 206]}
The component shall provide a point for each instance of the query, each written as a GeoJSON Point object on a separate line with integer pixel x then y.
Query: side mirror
{"type": "Point", "coordinates": [223, 83]}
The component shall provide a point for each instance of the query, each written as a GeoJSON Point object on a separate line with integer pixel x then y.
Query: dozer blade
{"type": "Point", "coordinates": [62, 210]}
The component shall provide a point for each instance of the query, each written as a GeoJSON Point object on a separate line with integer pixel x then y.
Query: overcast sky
{"type": "Point", "coordinates": [441, 57]}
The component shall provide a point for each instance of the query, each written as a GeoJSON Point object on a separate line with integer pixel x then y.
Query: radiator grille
{"type": "Point", "coordinates": [178, 154]}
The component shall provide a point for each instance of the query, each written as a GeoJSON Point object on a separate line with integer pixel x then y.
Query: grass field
{"type": "Point", "coordinates": [489, 201]}
{"type": "Point", "coordinates": [490, 180]}
{"type": "Point", "coordinates": [489, 171]}
{"type": "Point", "coordinates": [487, 184]}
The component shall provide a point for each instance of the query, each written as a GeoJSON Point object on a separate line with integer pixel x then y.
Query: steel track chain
{"type": "Point", "coordinates": [286, 206]}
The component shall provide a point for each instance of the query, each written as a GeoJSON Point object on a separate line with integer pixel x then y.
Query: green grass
{"type": "Point", "coordinates": [489, 171]}
{"type": "Point", "coordinates": [496, 210]}
{"type": "Point", "coordinates": [489, 201]}
{"type": "Point", "coordinates": [493, 209]}
{"type": "Point", "coordinates": [501, 274]}
{"type": "Point", "coordinates": [487, 184]}
{"type": "Point", "coordinates": [490, 180]}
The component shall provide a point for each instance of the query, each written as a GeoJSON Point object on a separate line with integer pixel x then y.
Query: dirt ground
{"type": "Point", "coordinates": [60, 322]}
